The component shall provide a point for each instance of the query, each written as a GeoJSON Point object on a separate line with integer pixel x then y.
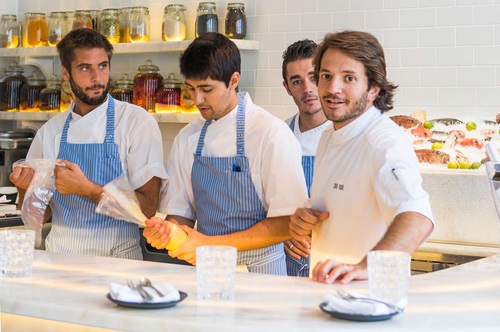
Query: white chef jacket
{"type": "Point", "coordinates": [273, 152]}
{"type": "Point", "coordinates": [308, 139]}
{"type": "Point", "coordinates": [365, 174]}
{"type": "Point", "coordinates": [136, 133]}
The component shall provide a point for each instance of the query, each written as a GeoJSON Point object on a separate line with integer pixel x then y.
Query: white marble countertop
{"type": "Point", "coordinates": [72, 289]}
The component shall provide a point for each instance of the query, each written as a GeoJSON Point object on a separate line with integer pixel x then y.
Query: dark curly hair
{"type": "Point", "coordinates": [365, 48]}
{"type": "Point", "coordinates": [302, 49]}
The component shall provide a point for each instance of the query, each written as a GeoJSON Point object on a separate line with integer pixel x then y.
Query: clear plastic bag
{"type": "Point", "coordinates": [119, 201]}
{"type": "Point", "coordinates": [39, 193]}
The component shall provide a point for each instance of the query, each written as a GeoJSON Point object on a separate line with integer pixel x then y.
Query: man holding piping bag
{"type": "Point", "coordinates": [97, 140]}
{"type": "Point", "coordinates": [236, 171]}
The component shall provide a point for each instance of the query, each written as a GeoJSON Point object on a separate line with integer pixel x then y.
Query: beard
{"type": "Point", "coordinates": [93, 101]}
{"type": "Point", "coordinates": [357, 108]}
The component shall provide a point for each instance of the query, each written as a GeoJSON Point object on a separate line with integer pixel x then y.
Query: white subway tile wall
{"type": "Point", "coordinates": [443, 54]}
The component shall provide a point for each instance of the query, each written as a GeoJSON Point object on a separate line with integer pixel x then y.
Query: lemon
{"type": "Point", "coordinates": [436, 145]}
{"type": "Point", "coordinates": [470, 126]}
{"type": "Point", "coordinates": [475, 165]}
{"type": "Point", "coordinates": [428, 125]}
{"type": "Point", "coordinates": [464, 165]}
{"type": "Point", "coordinates": [452, 164]}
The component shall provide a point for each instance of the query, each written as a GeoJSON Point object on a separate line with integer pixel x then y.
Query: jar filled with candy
{"type": "Point", "coordinates": [29, 100]}
{"type": "Point", "coordinates": [146, 84]}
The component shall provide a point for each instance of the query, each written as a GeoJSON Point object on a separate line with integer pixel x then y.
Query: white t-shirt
{"type": "Point", "coordinates": [308, 139]}
{"type": "Point", "coordinates": [273, 153]}
{"type": "Point", "coordinates": [136, 133]}
{"type": "Point", "coordinates": [365, 175]}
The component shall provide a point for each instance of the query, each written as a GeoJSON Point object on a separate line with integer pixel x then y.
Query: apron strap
{"type": "Point", "coordinates": [201, 140]}
{"type": "Point", "coordinates": [110, 123]}
{"type": "Point", "coordinates": [292, 123]}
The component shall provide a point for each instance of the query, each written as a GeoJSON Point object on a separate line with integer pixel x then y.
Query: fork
{"type": "Point", "coordinates": [141, 290]}
{"type": "Point", "coordinates": [348, 296]}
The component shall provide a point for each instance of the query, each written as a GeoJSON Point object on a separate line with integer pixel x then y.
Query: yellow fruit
{"type": "Point", "coordinates": [452, 164]}
{"type": "Point", "coordinates": [436, 145]}
{"type": "Point", "coordinates": [464, 165]}
{"type": "Point", "coordinates": [475, 165]}
{"type": "Point", "coordinates": [470, 126]}
{"type": "Point", "coordinates": [428, 124]}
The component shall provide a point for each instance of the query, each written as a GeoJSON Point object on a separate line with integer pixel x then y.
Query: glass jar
{"type": "Point", "coordinates": [236, 21]}
{"type": "Point", "coordinates": [50, 96]}
{"type": "Point", "coordinates": [58, 27]}
{"type": "Point", "coordinates": [82, 19]}
{"type": "Point", "coordinates": [174, 23]}
{"type": "Point", "coordinates": [124, 25]}
{"type": "Point", "coordinates": [168, 98]}
{"type": "Point", "coordinates": [9, 31]}
{"type": "Point", "coordinates": [95, 16]}
{"type": "Point", "coordinates": [187, 103]}
{"type": "Point", "coordinates": [67, 95]}
{"type": "Point", "coordinates": [10, 87]}
{"type": "Point", "coordinates": [206, 19]}
{"type": "Point", "coordinates": [146, 84]}
{"type": "Point", "coordinates": [24, 29]}
{"type": "Point", "coordinates": [38, 30]}
{"type": "Point", "coordinates": [139, 25]}
{"type": "Point", "coordinates": [123, 90]}
{"type": "Point", "coordinates": [29, 99]}
{"type": "Point", "coordinates": [110, 24]}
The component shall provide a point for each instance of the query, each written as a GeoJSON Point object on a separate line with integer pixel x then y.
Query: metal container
{"type": "Point", "coordinates": [14, 145]}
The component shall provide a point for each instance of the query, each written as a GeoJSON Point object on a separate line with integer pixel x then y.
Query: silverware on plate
{"type": "Point", "coordinates": [140, 289]}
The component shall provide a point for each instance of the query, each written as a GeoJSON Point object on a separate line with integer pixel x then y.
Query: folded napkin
{"type": "Point", "coordinates": [355, 307]}
{"type": "Point", "coordinates": [124, 293]}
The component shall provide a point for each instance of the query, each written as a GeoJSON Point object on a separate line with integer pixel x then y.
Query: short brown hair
{"type": "Point", "coordinates": [365, 48]}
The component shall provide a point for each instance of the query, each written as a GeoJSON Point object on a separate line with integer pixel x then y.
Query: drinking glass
{"type": "Point", "coordinates": [215, 272]}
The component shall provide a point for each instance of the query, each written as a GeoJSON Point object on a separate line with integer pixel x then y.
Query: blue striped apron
{"type": "Point", "coordinates": [76, 227]}
{"type": "Point", "coordinates": [294, 267]}
{"type": "Point", "coordinates": [226, 200]}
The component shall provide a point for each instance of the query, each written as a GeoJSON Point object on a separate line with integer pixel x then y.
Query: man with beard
{"type": "Point", "coordinates": [367, 191]}
{"type": "Point", "coordinates": [97, 140]}
{"type": "Point", "coordinates": [307, 126]}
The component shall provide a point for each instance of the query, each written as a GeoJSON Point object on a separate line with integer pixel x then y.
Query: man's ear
{"type": "Point", "coordinates": [285, 84]}
{"type": "Point", "coordinates": [65, 73]}
{"type": "Point", "coordinates": [234, 81]}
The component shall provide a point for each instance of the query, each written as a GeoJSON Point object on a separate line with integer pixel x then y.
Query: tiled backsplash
{"type": "Point", "coordinates": [443, 54]}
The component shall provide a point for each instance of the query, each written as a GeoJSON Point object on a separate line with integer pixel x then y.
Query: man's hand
{"type": "Point", "coordinates": [330, 271]}
{"type": "Point", "coordinates": [157, 232]}
{"type": "Point", "coordinates": [298, 249]}
{"type": "Point", "coordinates": [21, 177]}
{"type": "Point", "coordinates": [70, 179]}
{"type": "Point", "coordinates": [303, 221]}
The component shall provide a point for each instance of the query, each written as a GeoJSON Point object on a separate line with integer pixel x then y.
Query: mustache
{"type": "Point", "coordinates": [334, 96]}
{"type": "Point", "coordinates": [315, 97]}
{"type": "Point", "coordinates": [96, 86]}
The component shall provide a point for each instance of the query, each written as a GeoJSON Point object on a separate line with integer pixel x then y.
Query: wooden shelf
{"type": "Point", "coordinates": [128, 48]}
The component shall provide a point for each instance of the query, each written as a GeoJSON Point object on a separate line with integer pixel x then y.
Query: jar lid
{"type": "Point", "coordinates": [206, 5]}
{"type": "Point", "coordinates": [9, 17]}
{"type": "Point", "coordinates": [111, 11]}
{"type": "Point", "coordinates": [175, 6]}
{"type": "Point", "coordinates": [148, 67]}
{"type": "Point", "coordinates": [235, 5]}
{"type": "Point", "coordinates": [36, 78]}
{"type": "Point", "coordinates": [53, 81]}
{"type": "Point", "coordinates": [171, 81]}
{"type": "Point", "coordinates": [124, 80]}
{"type": "Point", "coordinates": [13, 68]}
{"type": "Point", "coordinates": [140, 9]}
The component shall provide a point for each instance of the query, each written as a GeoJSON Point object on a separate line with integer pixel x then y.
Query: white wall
{"type": "Point", "coordinates": [444, 54]}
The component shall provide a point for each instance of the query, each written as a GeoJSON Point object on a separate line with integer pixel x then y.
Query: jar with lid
{"type": "Point", "coordinates": [139, 25]}
{"type": "Point", "coordinates": [38, 30]}
{"type": "Point", "coordinates": [110, 24]}
{"type": "Point", "coordinates": [236, 21]}
{"type": "Point", "coordinates": [24, 30]}
{"type": "Point", "coordinates": [124, 25]}
{"type": "Point", "coordinates": [10, 87]}
{"type": "Point", "coordinates": [67, 95]}
{"type": "Point", "coordinates": [29, 100]}
{"type": "Point", "coordinates": [187, 103]}
{"type": "Point", "coordinates": [174, 23]}
{"type": "Point", "coordinates": [95, 16]}
{"type": "Point", "coordinates": [146, 84]}
{"type": "Point", "coordinates": [58, 27]}
{"type": "Point", "coordinates": [123, 90]}
{"type": "Point", "coordinates": [82, 19]}
{"type": "Point", "coordinates": [50, 96]}
{"type": "Point", "coordinates": [9, 31]}
{"type": "Point", "coordinates": [168, 98]}
{"type": "Point", "coordinates": [206, 19]}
